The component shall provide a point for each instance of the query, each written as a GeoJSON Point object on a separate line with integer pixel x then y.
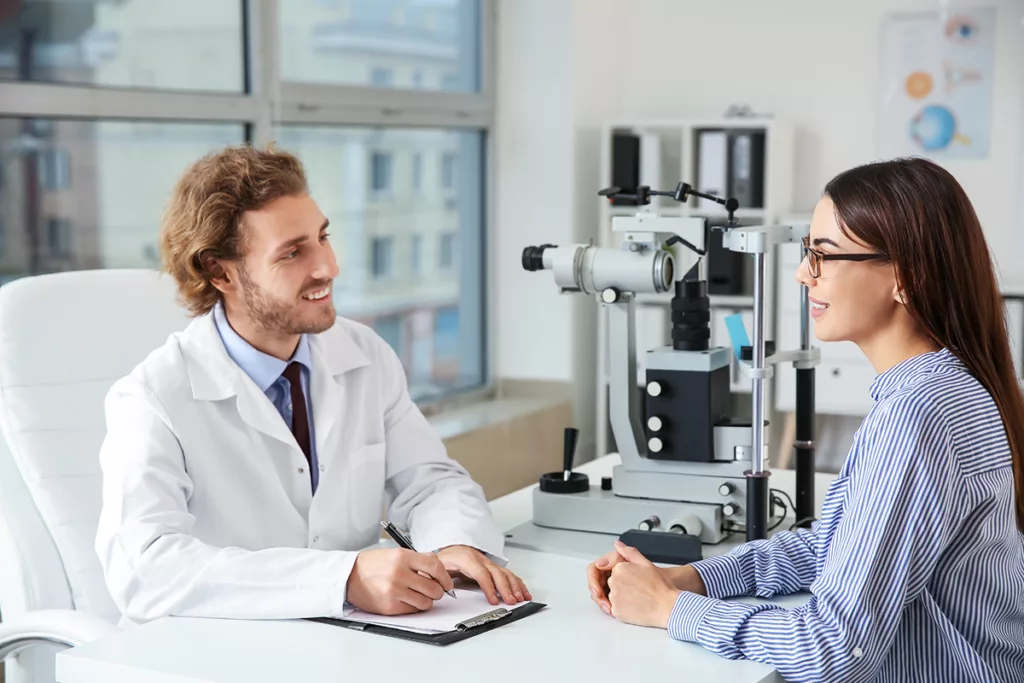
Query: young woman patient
{"type": "Point", "coordinates": [916, 568]}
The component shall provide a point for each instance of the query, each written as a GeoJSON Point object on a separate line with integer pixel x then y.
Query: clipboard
{"type": "Point", "coordinates": [483, 623]}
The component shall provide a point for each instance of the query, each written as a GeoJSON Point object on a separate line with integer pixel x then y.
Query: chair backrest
{"type": "Point", "coordinates": [64, 340]}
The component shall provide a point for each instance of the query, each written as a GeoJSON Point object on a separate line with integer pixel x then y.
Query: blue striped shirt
{"type": "Point", "coordinates": [916, 569]}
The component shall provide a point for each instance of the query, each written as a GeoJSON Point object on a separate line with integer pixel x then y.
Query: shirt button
{"type": "Point", "coordinates": [289, 406]}
{"type": "Point", "coordinates": [858, 653]}
{"type": "Point", "coordinates": [302, 470]}
{"type": "Point", "coordinates": [322, 468]}
{"type": "Point", "coordinates": [316, 539]}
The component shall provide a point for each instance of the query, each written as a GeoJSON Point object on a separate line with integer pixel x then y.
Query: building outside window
{"type": "Point", "coordinates": [416, 254]}
{"type": "Point", "coordinates": [448, 171]}
{"type": "Point", "coordinates": [381, 77]}
{"type": "Point", "coordinates": [417, 172]}
{"type": "Point", "coordinates": [381, 256]}
{"type": "Point", "coordinates": [58, 237]}
{"type": "Point", "coordinates": [54, 169]}
{"type": "Point", "coordinates": [447, 251]}
{"type": "Point", "coordinates": [380, 172]}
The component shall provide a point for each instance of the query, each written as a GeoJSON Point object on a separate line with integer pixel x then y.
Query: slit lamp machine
{"type": "Point", "coordinates": [691, 472]}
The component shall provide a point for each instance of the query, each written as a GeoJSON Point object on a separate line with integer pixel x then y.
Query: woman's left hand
{"type": "Point", "coordinates": [639, 592]}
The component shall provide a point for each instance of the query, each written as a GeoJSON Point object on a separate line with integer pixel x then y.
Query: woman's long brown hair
{"type": "Point", "coordinates": [916, 213]}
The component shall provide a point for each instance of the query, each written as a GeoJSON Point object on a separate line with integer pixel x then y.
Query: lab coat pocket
{"type": "Point", "coordinates": [366, 467]}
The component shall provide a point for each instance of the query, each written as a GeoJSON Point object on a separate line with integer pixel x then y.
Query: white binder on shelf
{"type": "Point", "coordinates": [712, 167]}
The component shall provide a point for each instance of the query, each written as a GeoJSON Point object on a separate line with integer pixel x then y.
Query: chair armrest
{"type": "Point", "coordinates": [50, 626]}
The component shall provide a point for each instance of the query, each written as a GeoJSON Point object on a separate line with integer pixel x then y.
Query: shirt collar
{"type": "Point", "coordinates": [905, 371]}
{"type": "Point", "coordinates": [262, 368]}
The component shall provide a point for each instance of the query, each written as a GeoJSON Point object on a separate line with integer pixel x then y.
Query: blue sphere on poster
{"type": "Point", "coordinates": [933, 128]}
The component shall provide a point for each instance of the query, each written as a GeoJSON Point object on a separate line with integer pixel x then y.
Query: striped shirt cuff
{"type": "Point", "coordinates": [722, 576]}
{"type": "Point", "coordinates": [687, 615]}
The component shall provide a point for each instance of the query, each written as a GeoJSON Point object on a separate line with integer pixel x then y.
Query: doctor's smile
{"type": "Point", "coordinates": [322, 295]}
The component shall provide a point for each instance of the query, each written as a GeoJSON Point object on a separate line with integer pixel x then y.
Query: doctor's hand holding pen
{"type": "Point", "coordinates": [397, 581]}
{"type": "Point", "coordinates": [401, 581]}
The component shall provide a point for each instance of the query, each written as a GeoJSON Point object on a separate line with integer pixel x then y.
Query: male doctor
{"type": "Point", "coordinates": [250, 457]}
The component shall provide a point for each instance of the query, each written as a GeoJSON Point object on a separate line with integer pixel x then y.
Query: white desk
{"type": "Point", "coordinates": [570, 640]}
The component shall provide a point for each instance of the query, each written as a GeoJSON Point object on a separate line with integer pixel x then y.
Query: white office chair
{"type": "Point", "coordinates": [64, 340]}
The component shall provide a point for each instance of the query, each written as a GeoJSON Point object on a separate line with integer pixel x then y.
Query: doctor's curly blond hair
{"type": "Point", "coordinates": [203, 220]}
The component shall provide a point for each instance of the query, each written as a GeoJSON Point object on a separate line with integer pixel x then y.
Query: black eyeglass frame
{"type": "Point", "coordinates": [815, 257]}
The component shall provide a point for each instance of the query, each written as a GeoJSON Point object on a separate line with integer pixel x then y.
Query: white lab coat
{"type": "Point", "coordinates": [207, 505]}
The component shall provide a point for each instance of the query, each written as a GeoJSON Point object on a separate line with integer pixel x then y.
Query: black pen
{"type": "Point", "coordinates": [403, 542]}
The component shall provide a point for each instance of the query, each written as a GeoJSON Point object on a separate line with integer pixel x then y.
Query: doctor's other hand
{"type": "Point", "coordinates": [640, 593]}
{"type": "Point", "coordinates": [496, 582]}
{"type": "Point", "coordinates": [396, 581]}
{"type": "Point", "coordinates": [684, 578]}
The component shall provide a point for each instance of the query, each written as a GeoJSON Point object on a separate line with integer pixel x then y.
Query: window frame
{"type": "Point", "coordinates": [268, 101]}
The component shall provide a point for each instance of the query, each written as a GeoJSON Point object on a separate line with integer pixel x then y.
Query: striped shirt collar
{"type": "Point", "coordinates": [905, 371]}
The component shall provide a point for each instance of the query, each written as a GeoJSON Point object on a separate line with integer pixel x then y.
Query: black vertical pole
{"type": "Point", "coordinates": [804, 446]}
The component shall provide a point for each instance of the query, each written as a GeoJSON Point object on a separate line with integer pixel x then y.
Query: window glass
{"type": "Point", "coordinates": [179, 45]}
{"type": "Point", "coordinates": [408, 260]}
{"type": "Point", "coordinates": [83, 194]}
{"type": "Point", "coordinates": [415, 44]}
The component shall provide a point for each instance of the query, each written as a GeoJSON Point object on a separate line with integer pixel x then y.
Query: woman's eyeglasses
{"type": "Point", "coordinates": [815, 257]}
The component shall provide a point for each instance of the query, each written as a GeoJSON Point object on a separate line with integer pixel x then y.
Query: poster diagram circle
{"type": "Point", "coordinates": [934, 127]}
{"type": "Point", "coordinates": [919, 84]}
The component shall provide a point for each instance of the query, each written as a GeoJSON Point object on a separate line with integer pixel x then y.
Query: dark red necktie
{"type": "Point", "coordinates": [300, 422]}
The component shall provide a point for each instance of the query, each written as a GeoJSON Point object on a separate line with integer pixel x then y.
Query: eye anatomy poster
{"type": "Point", "coordinates": [937, 83]}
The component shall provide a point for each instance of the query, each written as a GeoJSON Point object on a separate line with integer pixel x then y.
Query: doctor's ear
{"type": "Point", "coordinates": [214, 270]}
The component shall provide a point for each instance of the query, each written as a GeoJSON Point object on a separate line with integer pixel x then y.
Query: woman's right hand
{"type": "Point", "coordinates": [685, 578]}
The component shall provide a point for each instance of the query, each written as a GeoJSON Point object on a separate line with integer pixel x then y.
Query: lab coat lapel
{"type": "Point", "coordinates": [258, 412]}
{"type": "Point", "coordinates": [334, 354]}
{"type": "Point", "coordinates": [214, 376]}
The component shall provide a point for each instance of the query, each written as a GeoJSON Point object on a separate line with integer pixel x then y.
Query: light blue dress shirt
{"type": "Point", "coordinates": [265, 371]}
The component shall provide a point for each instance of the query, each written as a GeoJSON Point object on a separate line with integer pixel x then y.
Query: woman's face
{"type": "Point", "coordinates": [850, 300]}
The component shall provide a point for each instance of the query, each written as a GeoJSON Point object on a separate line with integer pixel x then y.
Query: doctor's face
{"type": "Point", "coordinates": [287, 273]}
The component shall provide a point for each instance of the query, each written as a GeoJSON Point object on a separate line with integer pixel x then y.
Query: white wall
{"type": "Point", "coordinates": [541, 334]}
{"type": "Point", "coordinates": [566, 66]}
{"type": "Point", "coordinates": [814, 62]}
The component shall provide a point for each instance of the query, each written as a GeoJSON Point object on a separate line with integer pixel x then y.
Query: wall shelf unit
{"type": "Point", "coordinates": [748, 157]}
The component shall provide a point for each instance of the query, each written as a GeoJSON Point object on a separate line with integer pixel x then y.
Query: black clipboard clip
{"type": "Point", "coordinates": [487, 617]}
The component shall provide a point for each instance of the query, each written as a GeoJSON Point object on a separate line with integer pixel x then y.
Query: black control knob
{"type": "Point", "coordinates": [566, 481]}
{"type": "Point", "coordinates": [606, 483]}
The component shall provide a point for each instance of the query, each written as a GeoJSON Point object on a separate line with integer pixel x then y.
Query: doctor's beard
{"type": "Point", "coordinates": [275, 315]}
